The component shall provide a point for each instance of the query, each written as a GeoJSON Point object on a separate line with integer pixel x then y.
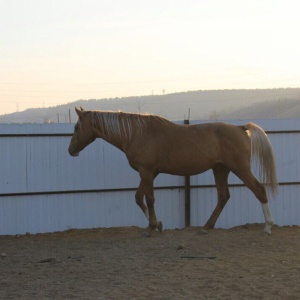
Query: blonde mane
{"type": "Point", "coordinates": [117, 124]}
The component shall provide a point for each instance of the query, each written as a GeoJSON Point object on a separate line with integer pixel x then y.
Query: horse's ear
{"type": "Point", "coordinates": [79, 112]}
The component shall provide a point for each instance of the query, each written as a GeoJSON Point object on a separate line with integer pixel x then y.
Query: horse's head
{"type": "Point", "coordinates": [83, 133]}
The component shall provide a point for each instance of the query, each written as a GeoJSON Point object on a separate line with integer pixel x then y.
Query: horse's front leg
{"type": "Point", "coordinates": [146, 188]}
{"type": "Point", "coordinates": [153, 223]}
{"type": "Point", "coordinates": [139, 199]}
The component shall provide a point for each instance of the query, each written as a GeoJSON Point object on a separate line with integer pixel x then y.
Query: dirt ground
{"type": "Point", "coordinates": [122, 263]}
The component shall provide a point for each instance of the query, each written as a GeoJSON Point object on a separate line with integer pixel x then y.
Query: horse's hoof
{"type": "Point", "coordinates": [267, 229]}
{"type": "Point", "coordinates": [202, 231]}
{"type": "Point", "coordinates": [146, 234]}
{"type": "Point", "coordinates": [159, 226]}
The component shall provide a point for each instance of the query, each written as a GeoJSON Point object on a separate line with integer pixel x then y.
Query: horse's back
{"type": "Point", "coordinates": [187, 149]}
{"type": "Point", "coordinates": [197, 148]}
{"type": "Point", "coordinates": [222, 133]}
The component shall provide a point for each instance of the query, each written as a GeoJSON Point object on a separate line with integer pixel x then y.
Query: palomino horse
{"type": "Point", "coordinates": [155, 145]}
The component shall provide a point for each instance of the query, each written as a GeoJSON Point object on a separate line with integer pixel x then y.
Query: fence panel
{"type": "Point", "coordinates": [44, 189]}
{"type": "Point", "coordinates": [58, 212]}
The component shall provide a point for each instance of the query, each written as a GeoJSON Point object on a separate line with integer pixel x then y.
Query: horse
{"type": "Point", "coordinates": [153, 145]}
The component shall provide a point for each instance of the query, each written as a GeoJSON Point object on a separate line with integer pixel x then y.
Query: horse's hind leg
{"type": "Point", "coordinates": [260, 193]}
{"type": "Point", "coordinates": [221, 173]}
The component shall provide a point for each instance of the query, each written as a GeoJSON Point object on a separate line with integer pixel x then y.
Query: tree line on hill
{"type": "Point", "coordinates": [195, 105]}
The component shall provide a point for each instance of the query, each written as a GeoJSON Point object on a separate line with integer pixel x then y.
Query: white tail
{"type": "Point", "coordinates": [263, 155]}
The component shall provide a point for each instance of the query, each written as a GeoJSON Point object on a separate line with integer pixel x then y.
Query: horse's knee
{"type": "Point", "coordinates": [139, 197]}
{"type": "Point", "coordinates": [227, 195]}
{"type": "Point", "coordinates": [226, 198]}
{"type": "Point", "coordinates": [223, 198]}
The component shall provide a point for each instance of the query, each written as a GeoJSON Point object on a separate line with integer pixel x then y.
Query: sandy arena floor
{"type": "Point", "coordinates": [121, 263]}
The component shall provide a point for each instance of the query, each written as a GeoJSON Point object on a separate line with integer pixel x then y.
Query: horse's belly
{"type": "Point", "coordinates": [187, 167]}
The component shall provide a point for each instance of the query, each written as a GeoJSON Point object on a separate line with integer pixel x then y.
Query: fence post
{"type": "Point", "coordinates": [187, 193]}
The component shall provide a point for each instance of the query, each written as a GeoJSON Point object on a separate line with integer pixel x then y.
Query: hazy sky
{"type": "Point", "coordinates": [58, 51]}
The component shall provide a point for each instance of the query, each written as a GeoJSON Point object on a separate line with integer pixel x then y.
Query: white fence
{"type": "Point", "coordinates": [44, 189]}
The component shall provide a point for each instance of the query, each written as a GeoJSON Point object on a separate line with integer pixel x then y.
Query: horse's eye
{"type": "Point", "coordinates": [76, 127]}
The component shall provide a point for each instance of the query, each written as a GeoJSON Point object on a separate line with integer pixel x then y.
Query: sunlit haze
{"type": "Point", "coordinates": [54, 52]}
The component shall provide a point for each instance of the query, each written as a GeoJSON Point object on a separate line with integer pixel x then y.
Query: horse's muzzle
{"type": "Point", "coordinates": [73, 152]}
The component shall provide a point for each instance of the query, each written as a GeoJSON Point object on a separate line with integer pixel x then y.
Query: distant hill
{"type": "Point", "coordinates": [280, 109]}
{"type": "Point", "coordinates": [214, 104]}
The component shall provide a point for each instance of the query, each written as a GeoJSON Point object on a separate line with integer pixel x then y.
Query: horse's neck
{"type": "Point", "coordinates": [115, 141]}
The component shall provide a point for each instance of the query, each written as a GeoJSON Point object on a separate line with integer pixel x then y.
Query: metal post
{"type": "Point", "coordinates": [187, 192]}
